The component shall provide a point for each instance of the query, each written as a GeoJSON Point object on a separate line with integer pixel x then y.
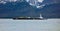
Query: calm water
{"type": "Point", "coordinates": [29, 25]}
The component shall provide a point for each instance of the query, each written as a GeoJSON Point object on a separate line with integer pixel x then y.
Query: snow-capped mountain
{"type": "Point", "coordinates": [5, 1]}
{"type": "Point", "coordinates": [30, 8]}
{"type": "Point", "coordinates": [37, 3]}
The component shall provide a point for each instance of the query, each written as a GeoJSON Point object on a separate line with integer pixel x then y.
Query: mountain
{"type": "Point", "coordinates": [23, 9]}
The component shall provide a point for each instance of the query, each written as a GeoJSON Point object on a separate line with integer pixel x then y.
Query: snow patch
{"type": "Point", "coordinates": [27, 0]}
{"type": "Point", "coordinates": [35, 3]}
{"type": "Point", "coordinates": [3, 2]}
{"type": "Point", "coordinates": [40, 1]}
{"type": "Point", "coordinates": [41, 6]}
